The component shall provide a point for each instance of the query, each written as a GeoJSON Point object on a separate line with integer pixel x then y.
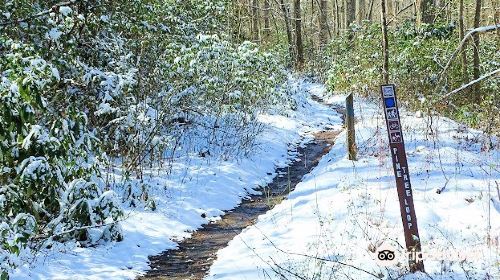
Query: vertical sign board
{"type": "Point", "coordinates": [402, 175]}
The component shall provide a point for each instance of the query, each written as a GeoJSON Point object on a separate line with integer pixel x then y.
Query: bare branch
{"type": "Point", "coordinates": [399, 12]}
{"type": "Point", "coordinates": [40, 14]}
{"type": "Point", "coordinates": [481, 29]}
{"type": "Point", "coordinates": [471, 83]}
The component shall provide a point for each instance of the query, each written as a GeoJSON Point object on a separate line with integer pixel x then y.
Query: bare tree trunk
{"type": "Point", "coordinates": [424, 14]}
{"type": "Point", "coordinates": [267, 23]}
{"type": "Point", "coordinates": [323, 24]}
{"type": "Point", "coordinates": [496, 16]}
{"type": "Point", "coordinates": [476, 70]}
{"type": "Point", "coordinates": [337, 17]}
{"type": "Point", "coordinates": [284, 10]}
{"type": "Point", "coordinates": [395, 8]}
{"type": "Point", "coordinates": [255, 21]}
{"type": "Point", "coordinates": [298, 35]}
{"type": "Point", "coordinates": [389, 8]}
{"type": "Point", "coordinates": [236, 24]}
{"type": "Point", "coordinates": [350, 12]}
{"type": "Point", "coordinates": [360, 13]}
{"type": "Point", "coordinates": [461, 33]}
{"type": "Point", "coordinates": [370, 10]}
{"type": "Point", "coordinates": [385, 45]}
{"type": "Point", "coordinates": [341, 4]}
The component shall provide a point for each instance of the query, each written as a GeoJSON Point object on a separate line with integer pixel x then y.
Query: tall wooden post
{"type": "Point", "coordinates": [349, 120]}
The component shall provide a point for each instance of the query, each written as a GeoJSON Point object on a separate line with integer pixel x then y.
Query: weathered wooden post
{"type": "Point", "coordinates": [349, 120]}
{"type": "Point", "coordinates": [402, 174]}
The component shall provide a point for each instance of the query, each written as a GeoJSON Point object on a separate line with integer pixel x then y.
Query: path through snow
{"type": "Point", "coordinates": [197, 191]}
{"type": "Point", "coordinates": [343, 212]}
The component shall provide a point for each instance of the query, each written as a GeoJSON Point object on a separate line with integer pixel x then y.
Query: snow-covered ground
{"type": "Point", "coordinates": [344, 211]}
{"type": "Point", "coordinates": [194, 187]}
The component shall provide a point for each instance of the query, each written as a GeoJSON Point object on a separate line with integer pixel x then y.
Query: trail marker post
{"type": "Point", "coordinates": [349, 121]}
{"type": "Point", "coordinates": [403, 184]}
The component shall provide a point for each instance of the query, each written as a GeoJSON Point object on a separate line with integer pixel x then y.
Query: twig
{"type": "Point", "coordinates": [313, 257]}
{"type": "Point", "coordinates": [481, 29]}
{"type": "Point", "coordinates": [402, 10]}
{"type": "Point", "coordinates": [333, 261]}
{"type": "Point", "coordinates": [471, 83]}
{"type": "Point", "coordinates": [284, 269]}
{"type": "Point", "coordinates": [52, 9]}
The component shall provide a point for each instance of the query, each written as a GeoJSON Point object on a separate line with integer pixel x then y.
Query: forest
{"type": "Point", "coordinates": [98, 96]}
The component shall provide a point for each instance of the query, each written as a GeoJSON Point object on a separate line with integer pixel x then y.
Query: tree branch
{"type": "Point", "coordinates": [40, 14]}
{"type": "Point", "coordinates": [471, 83]}
{"type": "Point", "coordinates": [400, 11]}
{"type": "Point", "coordinates": [481, 29]}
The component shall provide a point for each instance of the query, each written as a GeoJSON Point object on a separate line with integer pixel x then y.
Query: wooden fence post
{"type": "Point", "coordinates": [349, 120]}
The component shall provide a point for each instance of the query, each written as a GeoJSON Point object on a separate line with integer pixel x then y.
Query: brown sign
{"type": "Point", "coordinates": [403, 184]}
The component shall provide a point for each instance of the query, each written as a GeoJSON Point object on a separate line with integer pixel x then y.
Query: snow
{"type": "Point", "coordinates": [343, 210]}
{"type": "Point", "coordinates": [195, 186]}
{"type": "Point", "coordinates": [65, 10]}
{"type": "Point", "coordinates": [54, 34]}
{"type": "Point", "coordinates": [104, 108]}
{"type": "Point", "coordinates": [55, 73]}
{"type": "Point", "coordinates": [104, 18]}
{"type": "Point", "coordinates": [32, 167]}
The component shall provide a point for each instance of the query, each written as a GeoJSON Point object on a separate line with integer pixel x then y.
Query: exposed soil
{"type": "Point", "coordinates": [195, 255]}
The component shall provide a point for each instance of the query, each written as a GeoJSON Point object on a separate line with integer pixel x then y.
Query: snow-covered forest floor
{"type": "Point", "coordinates": [332, 223]}
{"type": "Point", "coordinates": [195, 191]}
{"type": "Point", "coordinates": [344, 211]}
{"type": "Point", "coordinates": [130, 128]}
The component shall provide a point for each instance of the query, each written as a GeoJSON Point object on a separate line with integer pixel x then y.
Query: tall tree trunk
{"type": "Point", "coordinates": [323, 24]}
{"type": "Point", "coordinates": [236, 24]}
{"type": "Point", "coordinates": [476, 70]}
{"type": "Point", "coordinates": [496, 16]}
{"type": "Point", "coordinates": [350, 12]}
{"type": "Point", "coordinates": [461, 32]}
{"type": "Point", "coordinates": [298, 35]}
{"type": "Point", "coordinates": [341, 19]}
{"type": "Point", "coordinates": [496, 19]}
{"type": "Point", "coordinates": [370, 11]}
{"type": "Point", "coordinates": [395, 9]}
{"type": "Point", "coordinates": [267, 23]}
{"type": "Point", "coordinates": [389, 7]}
{"type": "Point", "coordinates": [337, 16]}
{"type": "Point", "coordinates": [360, 13]}
{"type": "Point", "coordinates": [284, 10]}
{"type": "Point", "coordinates": [424, 11]}
{"type": "Point", "coordinates": [255, 21]}
{"type": "Point", "coordinates": [385, 45]}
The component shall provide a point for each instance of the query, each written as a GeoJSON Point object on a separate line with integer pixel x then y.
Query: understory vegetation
{"type": "Point", "coordinates": [437, 50]}
{"type": "Point", "coordinates": [85, 83]}
{"type": "Point", "coordinates": [90, 85]}
{"type": "Point", "coordinates": [416, 61]}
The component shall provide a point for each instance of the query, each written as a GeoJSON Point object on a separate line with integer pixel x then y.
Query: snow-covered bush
{"type": "Point", "coordinates": [416, 60]}
{"type": "Point", "coordinates": [43, 151]}
{"type": "Point", "coordinates": [178, 74]}
{"type": "Point", "coordinates": [218, 77]}
{"type": "Point", "coordinates": [88, 82]}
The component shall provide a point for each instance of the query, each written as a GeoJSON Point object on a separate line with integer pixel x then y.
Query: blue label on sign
{"type": "Point", "coordinates": [390, 102]}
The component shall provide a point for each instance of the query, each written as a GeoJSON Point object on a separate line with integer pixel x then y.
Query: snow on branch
{"type": "Point", "coordinates": [481, 29]}
{"type": "Point", "coordinates": [52, 9]}
{"type": "Point", "coordinates": [471, 83]}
